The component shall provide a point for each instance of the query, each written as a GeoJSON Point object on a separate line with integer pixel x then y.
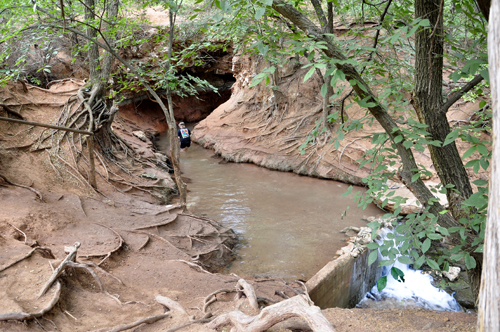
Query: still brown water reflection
{"type": "Point", "coordinates": [289, 225]}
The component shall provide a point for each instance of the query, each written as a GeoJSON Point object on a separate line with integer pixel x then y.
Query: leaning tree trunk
{"type": "Point", "coordinates": [93, 53]}
{"type": "Point", "coordinates": [428, 102]}
{"type": "Point", "coordinates": [172, 128]}
{"type": "Point", "coordinates": [489, 307]}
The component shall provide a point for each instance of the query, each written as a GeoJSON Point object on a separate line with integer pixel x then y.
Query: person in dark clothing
{"type": "Point", "coordinates": [184, 135]}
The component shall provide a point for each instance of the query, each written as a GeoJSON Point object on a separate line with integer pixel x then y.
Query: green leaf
{"type": "Point", "coordinates": [259, 13]}
{"type": "Point", "coordinates": [373, 225]}
{"type": "Point", "coordinates": [381, 283]}
{"type": "Point", "coordinates": [405, 260]}
{"type": "Point", "coordinates": [386, 263]}
{"type": "Point", "coordinates": [407, 144]}
{"type": "Point", "coordinates": [397, 274]}
{"type": "Point", "coordinates": [434, 236]}
{"type": "Point", "coordinates": [469, 152]}
{"type": "Point", "coordinates": [486, 75]}
{"type": "Point", "coordinates": [398, 139]}
{"type": "Point", "coordinates": [418, 263]}
{"type": "Point", "coordinates": [425, 23]}
{"type": "Point", "coordinates": [484, 163]}
{"type": "Point", "coordinates": [482, 149]}
{"type": "Point", "coordinates": [456, 75]}
{"type": "Point", "coordinates": [309, 74]}
{"type": "Point", "coordinates": [372, 258]}
{"type": "Point", "coordinates": [477, 200]}
{"type": "Point", "coordinates": [432, 264]}
{"type": "Point", "coordinates": [426, 245]}
{"type": "Point", "coordinates": [415, 177]}
{"type": "Point", "coordinates": [480, 182]}
{"type": "Point", "coordinates": [451, 137]}
{"type": "Point", "coordinates": [372, 245]}
{"type": "Point", "coordinates": [348, 192]}
{"type": "Point", "coordinates": [365, 103]}
{"type": "Point", "coordinates": [470, 262]}
{"type": "Point", "coordinates": [443, 230]}
{"type": "Point", "coordinates": [323, 90]}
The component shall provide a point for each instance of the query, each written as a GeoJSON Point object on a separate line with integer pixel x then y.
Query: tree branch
{"type": "Point", "coordinates": [379, 112]}
{"type": "Point", "coordinates": [320, 14]}
{"type": "Point", "coordinates": [13, 7]}
{"type": "Point", "coordinates": [459, 94]}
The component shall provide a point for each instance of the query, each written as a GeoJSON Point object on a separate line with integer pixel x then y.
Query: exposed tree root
{"type": "Point", "coordinates": [107, 255]}
{"type": "Point", "coordinates": [11, 111]}
{"type": "Point", "coordinates": [297, 306]}
{"type": "Point", "coordinates": [20, 231]}
{"type": "Point", "coordinates": [70, 261]}
{"type": "Point", "coordinates": [243, 287]}
{"type": "Point", "coordinates": [211, 298]}
{"type": "Point", "coordinates": [70, 257]}
{"type": "Point", "coordinates": [156, 237]}
{"type": "Point", "coordinates": [163, 223]}
{"type": "Point", "coordinates": [22, 186]}
{"type": "Point", "coordinates": [205, 319]}
{"type": "Point", "coordinates": [171, 304]}
{"type": "Point", "coordinates": [41, 312]}
{"type": "Point", "coordinates": [340, 157]}
{"type": "Point", "coordinates": [147, 320]}
{"type": "Point", "coordinates": [27, 256]}
{"type": "Point", "coordinates": [196, 266]}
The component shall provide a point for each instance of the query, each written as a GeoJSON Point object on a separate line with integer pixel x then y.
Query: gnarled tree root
{"type": "Point", "coordinates": [244, 287]}
{"type": "Point", "coordinates": [26, 256]}
{"type": "Point", "coordinates": [171, 304]}
{"type": "Point", "coordinates": [22, 186]}
{"type": "Point", "coordinates": [41, 312]}
{"type": "Point", "coordinates": [147, 320]}
{"type": "Point", "coordinates": [297, 306]}
{"type": "Point", "coordinates": [71, 257]}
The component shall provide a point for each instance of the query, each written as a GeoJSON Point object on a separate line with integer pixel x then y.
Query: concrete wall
{"type": "Point", "coordinates": [344, 281]}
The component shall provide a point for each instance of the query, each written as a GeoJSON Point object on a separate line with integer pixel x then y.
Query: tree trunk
{"type": "Point", "coordinates": [93, 54]}
{"type": "Point", "coordinates": [489, 306]}
{"type": "Point", "coordinates": [172, 128]}
{"type": "Point", "coordinates": [428, 102]}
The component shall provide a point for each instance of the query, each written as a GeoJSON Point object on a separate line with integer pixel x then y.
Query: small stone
{"type": "Point", "coordinates": [452, 273]}
{"type": "Point", "coordinates": [140, 135]}
{"type": "Point", "coordinates": [160, 157]}
{"type": "Point", "coordinates": [150, 176]}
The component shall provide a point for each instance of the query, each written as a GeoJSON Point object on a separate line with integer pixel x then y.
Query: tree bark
{"type": "Point", "coordinates": [172, 128]}
{"type": "Point", "coordinates": [428, 103]}
{"type": "Point", "coordinates": [489, 306]}
{"type": "Point", "coordinates": [93, 54]}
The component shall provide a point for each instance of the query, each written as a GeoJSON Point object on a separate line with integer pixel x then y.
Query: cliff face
{"type": "Point", "coordinates": [267, 127]}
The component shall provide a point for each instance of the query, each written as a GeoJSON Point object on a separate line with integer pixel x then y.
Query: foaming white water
{"type": "Point", "coordinates": [417, 288]}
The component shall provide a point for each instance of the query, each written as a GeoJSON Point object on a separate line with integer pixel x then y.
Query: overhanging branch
{"type": "Point", "coordinates": [459, 94]}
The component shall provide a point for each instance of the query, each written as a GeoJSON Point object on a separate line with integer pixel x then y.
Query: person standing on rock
{"type": "Point", "coordinates": [184, 135]}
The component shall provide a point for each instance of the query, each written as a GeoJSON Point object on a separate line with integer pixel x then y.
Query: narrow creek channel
{"type": "Point", "coordinates": [289, 225]}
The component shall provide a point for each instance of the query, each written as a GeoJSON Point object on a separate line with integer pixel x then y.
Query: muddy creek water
{"type": "Point", "coordinates": [289, 225]}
